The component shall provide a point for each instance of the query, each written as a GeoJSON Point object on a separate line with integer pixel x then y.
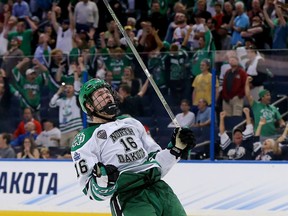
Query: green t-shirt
{"type": "Point", "coordinates": [177, 65]}
{"type": "Point", "coordinates": [115, 65]}
{"type": "Point", "coordinates": [29, 91]}
{"type": "Point", "coordinates": [270, 113]}
{"type": "Point", "coordinates": [25, 38]}
{"type": "Point", "coordinates": [156, 67]}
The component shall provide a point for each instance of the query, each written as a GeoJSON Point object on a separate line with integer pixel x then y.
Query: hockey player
{"type": "Point", "coordinates": [116, 158]}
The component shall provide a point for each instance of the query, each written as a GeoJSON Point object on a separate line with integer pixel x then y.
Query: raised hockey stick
{"type": "Point", "coordinates": [151, 80]}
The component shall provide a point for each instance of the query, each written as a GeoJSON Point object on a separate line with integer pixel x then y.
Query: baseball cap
{"type": "Point", "coordinates": [262, 93]}
{"type": "Point", "coordinates": [30, 71]}
{"type": "Point", "coordinates": [65, 21]}
{"type": "Point", "coordinates": [128, 27]}
{"type": "Point", "coordinates": [237, 130]}
{"type": "Point", "coordinates": [35, 19]}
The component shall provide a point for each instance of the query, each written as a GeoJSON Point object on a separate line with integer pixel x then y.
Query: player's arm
{"type": "Point", "coordinates": [101, 183]}
{"type": "Point", "coordinates": [182, 141]}
{"type": "Point", "coordinates": [98, 181]}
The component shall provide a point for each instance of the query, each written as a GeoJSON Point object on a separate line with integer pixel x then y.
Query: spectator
{"type": "Point", "coordinates": [186, 118]}
{"type": "Point", "coordinates": [5, 99]}
{"type": "Point", "coordinates": [147, 40]}
{"type": "Point", "coordinates": [225, 38]}
{"type": "Point", "coordinates": [131, 105]}
{"type": "Point", "coordinates": [21, 9]}
{"type": "Point", "coordinates": [238, 24]}
{"type": "Point", "coordinates": [129, 79]}
{"type": "Point", "coordinates": [58, 66]}
{"type": "Point", "coordinates": [11, 24]}
{"type": "Point", "coordinates": [271, 149]}
{"type": "Point", "coordinates": [178, 9]}
{"type": "Point", "coordinates": [218, 15]}
{"type": "Point", "coordinates": [278, 25]}
{"type": "Point", "coordinates": [198, 30]}
{"type": "Point", "coordinates": [264, 109]}
{"type": "Point", "coordinates": [69, 113]}
{"type": "Point", "coordinates": [241, 147]}
{"type": "Point", "coordinates": [201, 9]}
{"type": "Point", "coordinates": [201, 54]}
{"type": "Point", "coordinates": [12, 57]}
{"type": "Point", "coordinates": [50, 136]}
{"type": "Point", "coordinates": [233, 88]}
{"type": "Point", "coordinates": [6, 151]}
{"type": "Point", "coordinates": [156, 66]}
{"type": "Point", "coordinates": [176, 63]}
{"type": "Point", "coordinates": [42, 46]}
{"type": "Point", "coordinates": [86, 15]}
{"type": "Point", "coordinates": [181, 29]}
{"type": "Point", "coordinates": [116, 61]}
{"type": "Point", "coordinates": [27, 117]}
{"type": "Point", "coordinates": [201, 128]}
{"type": "Point", "coordinates": [255, 10]}
{"type": "Point", "coordinates": [28, 86]}
{"type": "Point", "coordinates": [159, 20]}
{"type": "Point", "coordinates": [112, 32]}
{"type": "Point", "coordinates": [24, 36]}
{"type": "Point", "coordinates": [228, 13]}
{"type": "Point", "coordinates": [51, 35]}
{"type": "Point", "coordinates": [257, 31]}
{"type": "Point", "coordinates": [64, 32]}
{"type": "Point", "coordinates": [211, 24]}
{"type": "Point", "coordinates": [256, 68]}
{"type": "Point", "coordinates": [29, 150]}
{"type": "Point", "coordinates": [202, 84]}
{"type": "Point", "coordinates": [45, 153]}
{"type": "Point", "coordinates": [109, 79]}
{"type": "Point", "coordinates": [203, 116]}
{"type": "Point", "coordinates": [132, 37]}
{"type": "Point", "coordinates": [3, 41]}
{"type": "Point", "coordinates": [29, 132]}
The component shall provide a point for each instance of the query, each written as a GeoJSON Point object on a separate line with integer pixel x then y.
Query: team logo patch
{"type": "Point", "coordinates": [76, 156]}
{"type": "Point", "coordinates": [78, 139]}
{"type": "Point", "coordinates": [102, 134]}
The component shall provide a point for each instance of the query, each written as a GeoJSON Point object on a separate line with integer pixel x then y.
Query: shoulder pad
{"type": "Point", "coordinates": [122, 117]}
{"type": "Point", "coordinates": [82, 137]}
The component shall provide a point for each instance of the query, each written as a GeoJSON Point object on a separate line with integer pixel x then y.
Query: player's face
{"type": "Point", "coordinates": [101, 98]}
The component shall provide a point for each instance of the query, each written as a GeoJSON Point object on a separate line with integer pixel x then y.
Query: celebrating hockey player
{"type": "Point", "coordinates": [116, 159]}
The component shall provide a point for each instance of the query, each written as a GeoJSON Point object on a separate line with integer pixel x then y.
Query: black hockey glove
{"type": "Point", "coordinates": [108, 173]}
{"type": "Point", "coordinates": [182, 141]}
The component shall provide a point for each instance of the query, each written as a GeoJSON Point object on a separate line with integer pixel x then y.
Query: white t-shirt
{"type": "Point", "coordinates": [64, 40]}
{"type": "Point", "coordinates": [44, 138]}
{"type": "Point", "coordinates": [184, 120]}
{"type": "Point", "coordinates": [3, 44]}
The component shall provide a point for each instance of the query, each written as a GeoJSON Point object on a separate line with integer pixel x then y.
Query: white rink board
{"type": "Point", "coordinates": [204, 189]}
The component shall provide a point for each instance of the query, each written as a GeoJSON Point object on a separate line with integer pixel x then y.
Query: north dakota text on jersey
{"type": "Point", "coordinates": [121, 132]}
{"type": "Point", "coordinates": [133, 156]}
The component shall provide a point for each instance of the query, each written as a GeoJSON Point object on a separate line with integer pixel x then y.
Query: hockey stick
{"type": "Point", "coordinates": [151, 80]}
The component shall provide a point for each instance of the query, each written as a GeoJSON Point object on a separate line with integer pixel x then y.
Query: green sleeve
{"type": "Point", "coordinates": [18, 76]}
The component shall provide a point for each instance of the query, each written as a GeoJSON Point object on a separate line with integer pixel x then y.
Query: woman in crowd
{"type": "Point", "coordinates": [29, 150]}
{"type": "Point", "coordinates": [129, 79]}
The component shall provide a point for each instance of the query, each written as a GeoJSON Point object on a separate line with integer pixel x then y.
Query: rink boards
{"type": "Point", "coordinates": [49, 188]}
